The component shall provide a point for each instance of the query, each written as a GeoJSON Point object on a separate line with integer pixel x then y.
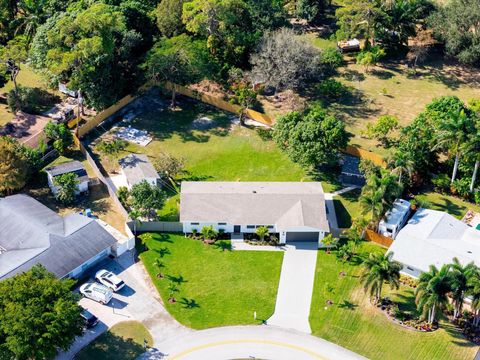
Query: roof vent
{"type": "Point", "coordinates": [254, 191]}
{"type": "Point", "coordinates": [469, 252]}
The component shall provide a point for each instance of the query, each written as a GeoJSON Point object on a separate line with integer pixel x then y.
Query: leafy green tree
{"type": "Point", "coordinates": [267, 14]}
{"type": "Point", "coordinates": [60, 135]}
{"type": "Point", "coordinates": [382, 129]}
{"type": "Point", "coordinates": [169, 17]}
{"type": "Point", "coordinates": [112, 149]}
{"type": "Point", "coordinates": [39, 314]}
{"type": "Point", "coordinates": [309, 9]}
{"type": "Point", "coordinates": [370, 57]}
{"type": "Point", "coordinates": [432, 291]}
{"type": "Point", "coordinates": [456, 23]}
{"type": "Point", "coordinates": [246, 97]}
{"type": "Point", "coordinates": [147, 198]}
{"type": "Point", "coordinates": [378, 269]}
{"type": "Point", "coordinates": [332, 58]}
{"type": "Point", "coordinates": [179, 60]}
{"type": "Point", "coordinates": [66, 185]}
{"type": "Point", "coordinates": [285, 61]}
{"type": "Point", "coordinates": [310, 138]}
{"type": "Point", "coordinates": [169, 166]}
{"type": "Point", "coordinates": [14, 166]}
{"type": "Point", "coordinates": [356, 19]}
{"type": "Point", "coordinates": [261, 232]}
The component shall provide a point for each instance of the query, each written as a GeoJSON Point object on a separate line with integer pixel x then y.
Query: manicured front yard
{"type": "Point", "coordinates": [124, 341]}
{"type": "Point", "coordinates": [216, 286]}
{"type": "Point", "coordinates": [354, 323]}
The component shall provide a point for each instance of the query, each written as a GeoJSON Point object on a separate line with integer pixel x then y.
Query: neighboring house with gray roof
{"type": "Point", "coordinates": [294, 210]}
{"type": "Point", "coordinates": [31, 233]}
{"type": "Point", "coordinates": [136, 168]}
{"type": "Point", "coordinates": [434, 237]}
{"type": "Point", "coordinates": [75, 167]}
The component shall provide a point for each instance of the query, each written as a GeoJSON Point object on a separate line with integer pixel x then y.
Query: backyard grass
{"type": "Point", "coordinates": [347, 208]}
{"type": "Point", "coordinates": [450, 204]}
{"type": "Point", "coordinates": [354, 323]}
{"type": "Point", "coordinates": [123, 341]}
{"type": "Point", "coordinates": [216, 286]}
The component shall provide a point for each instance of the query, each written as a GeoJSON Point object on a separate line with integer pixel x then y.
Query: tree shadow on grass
{"type": "Point", "coordinates": [161, 237]}
{"type": "Point", "coordinates": [223, 245]}
{"type": "Point", "coordinates": [163, 251]}
{"type": "Point", "coordinates": [382, 74]}
{"type": "Point", "coordinates": [348, 305]}
{"type": "Point", "coordinates": [450, 207]}
{"type": "Point", "coordinates": [189, 303]}
{"type": "Point", "coordinates": [109, 346]}
{"type": "Point", "coordinates": [454, 332]}
{"type": "Point", "coordinates": [179, 280]}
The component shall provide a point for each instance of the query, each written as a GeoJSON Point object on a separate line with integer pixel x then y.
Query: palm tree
{"type": "Point", "coordinates": [208, 233]}
{"type": "Point", "coordinates": [262, 231]}
{"type": "Point", "coordinates": [453, 133]}
{"type": "Point", "coordinates": [432, 290]}
{"type": "Point", "coordinates": [329, 241]}
{"type": "Point", "coordinates": [473, 147]}
{"type": "Point", "coordinates": [371, 203]}
{"type": "Point", "coordinates": [380, 268]}
{"type": "Point", "coordinates": [474, 293]}
{"type": "Point", "coordinates": [459, 284]}
{"type": "Point", "coordinates": [401, 163]}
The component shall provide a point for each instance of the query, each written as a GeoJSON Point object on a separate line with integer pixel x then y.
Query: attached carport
{"type": "Point", "coordinates": [302, 236]}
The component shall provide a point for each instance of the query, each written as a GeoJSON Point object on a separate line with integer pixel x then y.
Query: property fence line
{"type": "Point", "coordinates": [365, 154]}
{"type": "Point", "coordinates": [156, 226]}
{"type": "Point", "coordinates": [372, 236]}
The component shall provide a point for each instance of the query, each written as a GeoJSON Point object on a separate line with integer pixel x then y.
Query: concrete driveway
{"type": "Point", "coordinates": [295, 289]}
{"type": "Point", "coordinates": [248, 342]}
{"type": "Point", "coordinates": [138, 300]}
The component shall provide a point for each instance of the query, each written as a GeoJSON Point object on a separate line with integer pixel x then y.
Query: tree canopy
{"type": "Point", "coordinates": [14, 166]}
{"type": "Point", "coordinates": [312, 137]}
{"type": "Point", "coordinates": [38, 315]}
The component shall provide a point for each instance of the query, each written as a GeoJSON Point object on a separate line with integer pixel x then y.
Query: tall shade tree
{"type": "Point", "coordinates": [147, 198]}
{"type": "Point", "coordinates": [60, 135]}
{"type": "Point", "coordinates": [169, 17]}
{"type": "Point", "coordinates": [459, 283]}
{"type": "Point", "coordinates": [311, 138]}
{"type": "Point", "coordinates": [39, 314]}
{"type": "Point", "coordinates": [457, 23]}
{"type": "Point", "coordinates": [179, 60]}
{"type": "Point", "coordinates": [13, 166]}
{"type": "Point", "coordinates": [284, 61]}
{"type": "Point", "coordinates": [378, 269]}
{"type": "Point", "coordinates": [452, 133]}
{"type": "Point", "coordinates": [357, 19]}
{"type": "Point", "coordinates": [431, 294]}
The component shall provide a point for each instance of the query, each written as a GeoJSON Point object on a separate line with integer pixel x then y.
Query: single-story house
{"type": "Point", "coordinates": [434, 238]}
{"type": "Point", "coordinates": [31, 233]}
{"type": "Point", "coordinates": [66, 168]}
{"type": "Point", "coordinates": [294, 210]}
{"type": "Point", "coordinates": [136, 168]}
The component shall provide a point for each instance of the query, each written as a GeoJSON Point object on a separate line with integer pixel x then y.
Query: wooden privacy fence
{"type": "Point", "coordinates": [372, 236]}
{"type": "Point", "coordinates": [220, 103]}
{"type": "Point", "coordinates": [157, 226]}
{"type": "Point", "coordinates": [364, 154]}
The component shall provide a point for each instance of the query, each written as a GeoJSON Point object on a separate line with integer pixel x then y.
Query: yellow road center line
{"type": "Point", "coordinates": [227, 342]}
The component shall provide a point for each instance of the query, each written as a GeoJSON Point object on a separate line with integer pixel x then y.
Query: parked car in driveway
{"type": "Point", "coordinates": [96, 292]}
{"type": "Point", "coordinates": [90, 319]}
{"type": "Point", "coordinates": [109, 279]}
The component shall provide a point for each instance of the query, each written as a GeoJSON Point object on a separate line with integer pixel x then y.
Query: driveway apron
{"type": "Point", "coordinates": [295, 289]}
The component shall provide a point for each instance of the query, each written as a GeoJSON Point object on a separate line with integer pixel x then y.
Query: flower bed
{"type": "Point", "coordinates": [254, 239]}
{"type": "Point", "coordinates": [404, 319]}
{"type": "Point", "coordinates": [468, 329]}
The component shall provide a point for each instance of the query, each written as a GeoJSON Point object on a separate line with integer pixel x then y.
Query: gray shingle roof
{"type": "Point", "coordinates": [69, 167]}
{"type": "Point", "coordinates": [137, 167]}
{"type": "Point", "coordinates": [286, 204]}
{"type": "Point", "coordinates": [31, 233]}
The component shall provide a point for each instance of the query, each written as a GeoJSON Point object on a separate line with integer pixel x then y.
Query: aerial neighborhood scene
{"type": "Point", "coordinates": [239, 179]}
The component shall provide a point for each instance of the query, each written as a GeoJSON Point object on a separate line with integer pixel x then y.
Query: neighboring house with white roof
{"type": "Point", "coordinates": [136, 168]}
{"type": "Point", "coordinates": [295, 210]}
{"type": "Point", "coordinates": [31, 233]}
{"type": "Point", "coordinates": [434, 238]}
{"type": "Point", "coordinates": [65, 168]}
{"type": "Point", "coordinates": [394, 219]}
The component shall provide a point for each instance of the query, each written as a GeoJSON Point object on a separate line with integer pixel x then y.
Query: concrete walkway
{"type": "Point", "coordinates": [248, 342]}
{"type": "Point", "coordinates": [295, 289]}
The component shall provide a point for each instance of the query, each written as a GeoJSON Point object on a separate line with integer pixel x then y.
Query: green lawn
{"type": "Point", "coordinates": [354, 323]}
{"type": "Point", "coordinates": [216, 286]}
{"type": "Point", "coordinates": [124, 341]}
{"type": "Point", "coordinates": [451, 204]}
{"type": "Point", "coordinates": [347, 207]}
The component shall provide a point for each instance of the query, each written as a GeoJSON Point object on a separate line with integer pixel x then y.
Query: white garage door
{"type": "Point", "coordinates": [302, 236]}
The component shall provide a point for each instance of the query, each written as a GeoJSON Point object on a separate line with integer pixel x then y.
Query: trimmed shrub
{"type": "Point", "coordinates": [30, 100]}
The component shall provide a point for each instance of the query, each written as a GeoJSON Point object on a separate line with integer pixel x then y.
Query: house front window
{"type": "Point", "coordinates": [250, 226]}
{"type": "Point", "coordinates": [194, 223]}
